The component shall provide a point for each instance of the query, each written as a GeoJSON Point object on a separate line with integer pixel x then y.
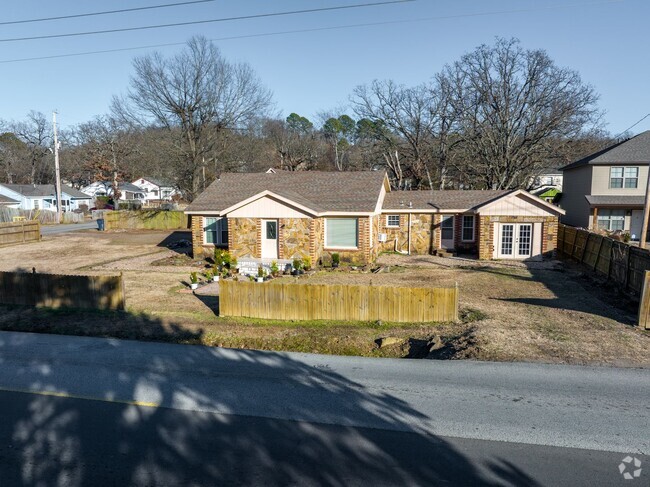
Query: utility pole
{"type": "Point", "coordinates": [57, 170]}
{"type": "Point", "coordinates": [646, 213]}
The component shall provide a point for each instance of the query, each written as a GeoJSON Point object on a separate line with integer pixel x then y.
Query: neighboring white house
{"type": "Point", "coordinates": [128, 191]}
{"type": "Point", "coordinates": [156, 189]}
{"type": "Point", "coordinates": [43, 197]}
{"type": "Point", "coordinates": [6, 202]}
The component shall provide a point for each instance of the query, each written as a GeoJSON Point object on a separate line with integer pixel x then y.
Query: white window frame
{"type": "Point", "coordinates": [338, 247]}
{"type": "Point", "coordinates": [462, 228]}
{"type": "Point", "coordinates": [389, 225]}
{"type": "Point", "coordinates": [219, 232]}
{"type": "Point", "coordinates": [605, 215]}
{"type": "Point", "coordinates": [624, 179]}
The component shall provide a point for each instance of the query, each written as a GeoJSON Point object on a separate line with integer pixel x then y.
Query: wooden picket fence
{"type": "Point", "coordinates": [19, 232]}
{"type": "Point", "coordinates": [620, 263]}
{"type": "Point", "coordinates": [62, 291]}
{"type": "Point", "coordinates": [280, 301]}
{"type": "Point", "coordinates": [147, 220]}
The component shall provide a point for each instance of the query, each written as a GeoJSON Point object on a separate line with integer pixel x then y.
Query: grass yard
{"type": "Point", "coordinates": [546, 312]}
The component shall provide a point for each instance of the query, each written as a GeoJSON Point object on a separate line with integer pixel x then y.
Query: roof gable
{"type": "Point", "coordinates": [523, 195]}
{"type": "Point", "coordinates": [635, 150]}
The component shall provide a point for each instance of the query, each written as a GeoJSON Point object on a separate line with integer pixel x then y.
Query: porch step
{"type": "Point", "coordinates": [445, 253]}
{"type": "Point", "coordinates": [249, 266]}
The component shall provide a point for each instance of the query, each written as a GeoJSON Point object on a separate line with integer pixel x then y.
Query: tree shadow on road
{"type": "Point", "coordinates": [340, 433]}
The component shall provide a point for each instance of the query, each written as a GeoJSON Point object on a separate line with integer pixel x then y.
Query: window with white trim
{"type": "Point", "coordinates": [392, 221]}
{"type": "Point", "coordinates": [342, 233]}
{"type": "Point", "coordinates": [468, 228]}
{"type": "Point", "coordinates": [215, 230]}
{"type": "Point", "coordinates": [611, 220]}
{"type": "Point", "coordinates": [623, 177]}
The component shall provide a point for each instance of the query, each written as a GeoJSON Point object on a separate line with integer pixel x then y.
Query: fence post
{"type": "Point", "coordinates": [644, 304]}
{"type": "Point", "coordinates": [600, 248]}
{"type": "Point", "coordinates": [584, 249]}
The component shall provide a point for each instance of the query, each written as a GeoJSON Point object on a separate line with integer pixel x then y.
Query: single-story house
{"type": "Point", "coordinates": [43, 196]}
{"type": "Point", "coordinates": [128, 191]}
{"type": "Point", "coordinates": [7, 202]}
{"type": "Point", "coordinates": [155, 189]}
{"type": "Point", "coordinates": [261, 217]}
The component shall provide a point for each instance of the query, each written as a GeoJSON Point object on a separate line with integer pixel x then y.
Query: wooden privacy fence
{"type": "Point", "coordinates": [62, 291]}
{"type": "Point", "coordinates": [147, 220]}
{"type": "Point", "coordinates": [619, 262]}
{"type": "Point", "coordinates": [337, 302]}
{"type": "Point", "coordinates": [19, 232]}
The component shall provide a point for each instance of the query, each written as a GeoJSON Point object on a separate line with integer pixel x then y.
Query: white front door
{"type": "Point", "coordinates": [269, 239]}
{"type": "Point", "coordinates": [515, 241]}
{"type": "Point", "coordinates": [636, 224]}
{"type": "Point", "coordinates": [447, 232]}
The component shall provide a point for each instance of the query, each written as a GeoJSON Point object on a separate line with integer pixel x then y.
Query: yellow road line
{"type": "Point", "coordinates": [85, 398]}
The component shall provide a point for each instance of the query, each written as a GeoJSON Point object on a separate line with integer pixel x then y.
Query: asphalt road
{"type": "Point", "coordinates": [65, 228]}
{"type": "Point", "coordinates": [86, 411]}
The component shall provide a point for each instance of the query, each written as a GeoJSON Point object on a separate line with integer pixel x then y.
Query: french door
{"type": "Point", "coordinates": [515, 241]}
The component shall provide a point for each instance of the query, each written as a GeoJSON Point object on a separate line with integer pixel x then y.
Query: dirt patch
{"type": "Point", "coordinates": [544, 311]}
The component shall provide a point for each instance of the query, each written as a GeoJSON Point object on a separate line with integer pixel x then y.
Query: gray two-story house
{"type": "Point", "coordinates": [606, 190]}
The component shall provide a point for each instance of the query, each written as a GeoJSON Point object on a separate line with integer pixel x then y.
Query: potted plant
{"type": "Point", "coordinates": [260, 273]}
{"type": "Point", "coordinates": [215, 274]}
{"type": "Point", "coordinates": [224, 273]}
{"type": "Point", "coordinates": [208, 275]}
{"type": "Point", "coordinates": [275, 270]}
{"type": "Point", "coordinates": [232, 265]}
{"type": "Point", "coordinates": [297, 267]}
{"type": "Point", "coordinates": [336, 260]}
{"type": "Point", "coordinates": [306, 263]}
{"type": "Point", "coordinates": [194, 280]}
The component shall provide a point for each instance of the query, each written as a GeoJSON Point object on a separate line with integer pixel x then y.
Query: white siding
{"type": "Point", "coordinates": [516, 206]}
{"type": "Point", "coordinates": [267, 207]}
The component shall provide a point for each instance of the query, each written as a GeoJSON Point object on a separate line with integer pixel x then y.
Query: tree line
{"type": "Point", "coordinates": [492, 119]}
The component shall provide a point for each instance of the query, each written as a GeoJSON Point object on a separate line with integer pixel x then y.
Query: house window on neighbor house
{"type": "Point", "coordinates": [215, 230]}
{"type": "Point", "coordinates": [624, 177]}
{"type": "Point", "coordinates": [36, 204]}
{"type": "Point", "coordinates": [392, 221]}
{"type": "Point", "coordinates": [342, 233]}
{"type": "Point", "coordinates": [468, 228]}
{"type": "Point", "coordinates": [611, 220]}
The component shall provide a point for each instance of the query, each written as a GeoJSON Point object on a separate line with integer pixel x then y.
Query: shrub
{"type": "Point", "coordinates": [306, 263]}
{"type": "Point", "coordinates": [260, 271]}
{"type": "Point", "coordinates": [336, 259]}
{"type": "Point", "coordinates": [208, 274]}
{"type": "Point", "coordinates": [275, 270]}
{"type": "Point", "coordinates": [222, 258]}
{"type": "Point", "coordinates": [194, 278]}
{"type": "Point", "coordinates": [297, 264]}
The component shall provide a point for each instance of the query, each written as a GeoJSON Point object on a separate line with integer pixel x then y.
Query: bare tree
{"type": "Point", "coordinates": [294, 142]}
{"type": "Point", "coordinates": [511, 106]}
{"type": "Point", "coordinates": [409, 114]}
{"type": "Point", "coordinates": [194, 95]}
{"type": "Point", "coordinates": [36, 133]}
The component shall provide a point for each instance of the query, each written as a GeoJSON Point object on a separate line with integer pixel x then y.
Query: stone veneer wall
{"type": "Point", "coordinates": [244, 237]}
{"type": "Point", "coordinates": [294, 238]}
{"type": "Point", "coordinates": [423, 233]}
{"type": "Point", "coordinates": [486, 232]}
{"type": "Point", "coordinates": [363, 254]}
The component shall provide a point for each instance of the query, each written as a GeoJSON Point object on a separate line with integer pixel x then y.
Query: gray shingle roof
{"type": "Point", "coordinates": [41, 190]}
{"type": "Point", "coordinates": [5, 200]}
{"type": "Point", "coordinates": [635, 150]}
{"type": "Point", "coordinates": [615, 200]}
{"type": "Point", "coordinates": [440, 199]}
{"type": "Point", "coordinates": [319, 191]}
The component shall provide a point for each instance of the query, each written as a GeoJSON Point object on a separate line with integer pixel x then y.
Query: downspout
{"type": "Point", "coordinates": [408, 250]}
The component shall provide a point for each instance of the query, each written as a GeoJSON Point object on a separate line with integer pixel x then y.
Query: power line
{"type": "Point", "coordinates": [632, 126]}
{"type": "Point", "coordinates": [105, 12]}
{"type": "Point", "coordinates": [208, 21]}
{"type": "Point", "coordinates": [301, 31]}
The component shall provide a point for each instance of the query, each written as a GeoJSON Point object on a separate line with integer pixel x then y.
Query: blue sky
{"type": "Point", "coordinates": [606, 41]}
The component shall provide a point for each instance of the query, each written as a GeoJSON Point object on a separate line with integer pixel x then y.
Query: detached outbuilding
{"type": "Point", "coordinates": [262, 217]}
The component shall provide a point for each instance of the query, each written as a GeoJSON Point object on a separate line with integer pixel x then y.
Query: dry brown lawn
{"type": "Point", "coordinates": [548, 312]}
